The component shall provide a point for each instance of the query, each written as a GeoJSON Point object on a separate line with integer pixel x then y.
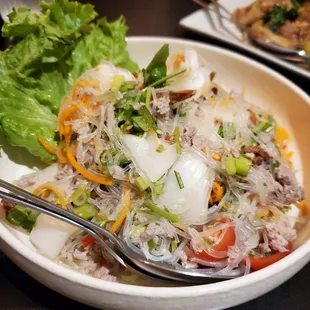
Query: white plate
{"type": "Point", "coordinates": [263, 86]}
{"type": "Point", "coordinates": [221, 28]}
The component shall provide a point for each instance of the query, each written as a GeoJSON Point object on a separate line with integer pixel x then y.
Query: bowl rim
{"type": "Point", "coordinates": [168, 292]}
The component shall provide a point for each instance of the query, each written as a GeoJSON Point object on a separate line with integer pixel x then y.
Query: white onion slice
{"type": "Point", "coordinates": [190, 202]}
{"type": "Point", "coordinates": [142, 150]}
{"type": "Point", "coordinates": [50, 235]}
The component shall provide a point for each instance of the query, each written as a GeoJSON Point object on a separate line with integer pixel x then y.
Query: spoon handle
{"type": "Point", "coordinates": [36, 203]}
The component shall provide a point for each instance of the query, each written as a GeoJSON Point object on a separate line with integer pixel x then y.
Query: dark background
{"type": "Point", "coordinates": [158, 18]}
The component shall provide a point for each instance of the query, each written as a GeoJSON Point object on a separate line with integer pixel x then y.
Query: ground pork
{"type": "Point", "coordinates": [27, 181]}
{"type": "Point", "coordinates": [279, 234]}
{"type": "Point", "coordinates": [290, 190]}
{"type": "Point", "coordinates": [161, 107]}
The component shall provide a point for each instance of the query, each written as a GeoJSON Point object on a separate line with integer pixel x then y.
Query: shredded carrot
{"type": "Point", "coordinates": [303, 208]}
{"type": "Point", "coordinates": [62, 158]}
{"type": "Point", "coordinates": [217, 192]}
{"type": "Point", "coordinates": [62, 117]}
{"type": "Point", "coordinates": [46, 145]}
{"type": "Point", "coordinates": [126, 208]}
{"type": "Point", "coordinates": [84, 172]}
{"type": "Point", "coordinates": [281, 136]}
{"type": "Point", "coordinates": [39, 191]}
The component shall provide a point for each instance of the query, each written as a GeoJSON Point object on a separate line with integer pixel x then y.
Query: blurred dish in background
{"type": "Point", "coordinates": [282, 22]}
{"type": "Point", "coordinates": [216, 21]}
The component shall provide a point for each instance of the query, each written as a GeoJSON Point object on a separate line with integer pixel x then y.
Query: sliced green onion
{"type": "Point", "coordinates": [177, 140]}
{"type": "Point", "coordinates": [243, 165]}
{"type": "Point", "coordinates": [169, 216]}
{"type": "Point", "coordinates": [160, 148]}
{"type": "Point", "coordinates": [86, 211]}
{"type": "Point", "coordinates": [220, 132]}
{"type": "Point", "coordinates": [230, 165]}
{"type": "Point", "coordinates": [179, 179]}
{"type": "Point", "coordinates": [166, 78]}
{"type": "Point", "coordinates": [17, 215]}
{"type": "Point", "coordinates": [229, 130]}
{"type": "Point", "coordinates": [29, 222]}
{"type": "Point", "coordinates": [159, 188]}
{"type": "Point", "coordinates": [127, 86]}
{"type": "Point", "coordinates": [113, 151]}
{"type": "Point", "coordinates": [152, 244]}
{"type": "Point", "coordinates": [148, 97]}
{"type": "Point", "coordinates": [21, 216]}
{"type": "Point", "coordinates": [265, 125]}
{"type": "Point", "coordinates": [173, 246]}
{"type": "Point", "coordinates": [137, 232]}
{"type": "Point", "coordinates": [117, 81]}
{"type": "Point", "coordinates": [129, 276]}
{"type": "Point", "coordinates": [141, 183]}
{"type": "Point", "coordinates": [80, 197]}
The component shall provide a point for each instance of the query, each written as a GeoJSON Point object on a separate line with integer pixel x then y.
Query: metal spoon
{"type": "Point", "coordinates": [289, 54]}
{"type": "Point", "coordinates": [114, 245]}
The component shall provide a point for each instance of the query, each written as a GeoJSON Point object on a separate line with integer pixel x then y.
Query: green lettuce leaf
{"type": "Point", "coordinates": [105, 41]}
{"type": "Point", "coordinates": [49, 51]}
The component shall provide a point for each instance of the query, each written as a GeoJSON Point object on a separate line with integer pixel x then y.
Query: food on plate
{"type": "Point", "coordinates": [282, 22]}
{"type": "Point", "coordinates": [179, 168]}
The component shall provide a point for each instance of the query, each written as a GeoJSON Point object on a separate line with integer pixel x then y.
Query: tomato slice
{"type": "Point", "coordinates": [227, 240]}
{"type": "Point", "coordinates": [88, 240]}
{"type": "Point", "coordinates": [258, 263]}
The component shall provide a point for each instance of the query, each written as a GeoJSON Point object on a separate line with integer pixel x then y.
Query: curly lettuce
{"type": "Point", "coordinates": [48, 52]}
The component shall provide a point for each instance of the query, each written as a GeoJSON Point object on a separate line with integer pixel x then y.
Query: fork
{"type": "Point", "coordinates": [115, 246]}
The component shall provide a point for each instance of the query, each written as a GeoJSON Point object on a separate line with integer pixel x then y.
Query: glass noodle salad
{"type": "Point", "coordinates": [179, 168]}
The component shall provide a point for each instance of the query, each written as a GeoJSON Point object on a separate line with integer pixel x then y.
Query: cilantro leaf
{"type": "Point", "coordinates": [157, 69]}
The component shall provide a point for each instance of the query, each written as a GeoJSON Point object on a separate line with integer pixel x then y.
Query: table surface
{"type": "Point", "coordinates": [157, 18]}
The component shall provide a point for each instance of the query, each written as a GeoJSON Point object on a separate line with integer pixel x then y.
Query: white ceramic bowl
{"type": "Point", "coordinates": [263, 87]}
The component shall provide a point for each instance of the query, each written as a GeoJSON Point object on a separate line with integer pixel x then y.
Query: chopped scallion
{"type": "Point", "coordinates": [148, 97]}
{"type": "Point", "coordinates": [177, 140]}
{"type": "Point", "coordinates": [87, 211]}
{"type": "Point", "coordinates": [166, 78]}
{"type": "Point", "coordinates": [137, 232]}
{"type": "Point", "coordinates": [141, 183]}
{"type": "Point", "coordinates": [160, 148]}
{"type": "Point", "coordinates": [80, 197]}
{"type": "Point", "coordinates": [220, 132]}
{"type": "Point", "coordinates": [179, 179]}
{"type": "Point", "coordinates": [152, 244]}
{"type": "Point", "coordinates": [173, 246]}
{"type": "Point", "coordinates": [230, 165]}
{"type": "Point", "coordinates": [169, 216]}
{"type": "Point", "coordinates": [21, 216]}
{"type": "Point", "coordinates": [243, 165]}
{"type": "Point", "coordinates": [127, 86]}
{"type": "Point", "coordinates": [117, 81]}
{"type": "Point", "coordinates": [159, 186]}
{"type": "Point", "coordinates": [229, 130]}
